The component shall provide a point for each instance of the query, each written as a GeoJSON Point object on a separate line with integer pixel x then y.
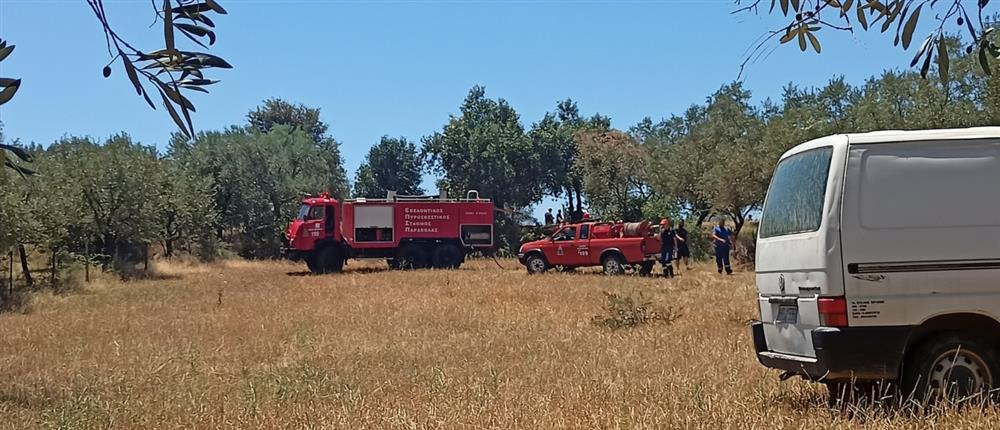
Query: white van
{"type": "Point", "coordinates": [878, 259]}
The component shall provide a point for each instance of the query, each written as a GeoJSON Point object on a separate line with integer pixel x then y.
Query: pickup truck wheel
{"type": "Point", "coordinates": [646, 268]}
{"type": "Point", "coordinates": [613, 264]}
{"type": "Point", "coordinates": [329, 260]}
{"type": "Point", "coordinates": [411, 256]}
{"type": "Point", "coordinates": [951, 366]}
{"type": "Point", "coordinates": [447, 256]}
{"type": "Point", "coordinates": [536, 264]}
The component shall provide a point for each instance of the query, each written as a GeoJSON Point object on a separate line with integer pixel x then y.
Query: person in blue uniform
{"type": "Point", "coordinates": [722, 240]}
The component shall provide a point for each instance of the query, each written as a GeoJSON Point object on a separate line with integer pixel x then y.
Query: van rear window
{"type": "Point", "coordinates": [795, 199]}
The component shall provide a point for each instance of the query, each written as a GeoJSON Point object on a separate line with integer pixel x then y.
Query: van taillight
{"type": "Point", "coordinates": [833, 311]}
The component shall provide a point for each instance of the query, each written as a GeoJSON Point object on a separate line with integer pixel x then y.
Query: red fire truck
{"type": "Point", "coordinates": [408, 232]}
{"type": "Point", "coordinates": [615, 247]}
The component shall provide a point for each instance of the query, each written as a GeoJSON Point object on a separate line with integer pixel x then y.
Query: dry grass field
{"type": "Point", "coordinates": [263, 345]}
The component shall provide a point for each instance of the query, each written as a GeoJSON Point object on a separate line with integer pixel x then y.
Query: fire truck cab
{"type": "Point", "coordinates": [409, 232]}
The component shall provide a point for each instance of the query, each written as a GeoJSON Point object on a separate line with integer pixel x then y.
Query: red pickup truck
{"type": "Point", "coordinates": [616, 247]}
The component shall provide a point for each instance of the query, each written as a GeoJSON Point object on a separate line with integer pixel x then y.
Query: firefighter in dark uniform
{"type": "Point", "coordinates": [668, 242]}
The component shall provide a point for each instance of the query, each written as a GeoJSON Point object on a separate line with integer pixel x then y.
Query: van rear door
{"type": "Point", "coordinates": [798, 246]}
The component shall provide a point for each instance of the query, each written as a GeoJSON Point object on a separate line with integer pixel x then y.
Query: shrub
{"type": "Point", "coordinates": [627, 312]}
{"type": "Point", "coordinates": [17, 301]}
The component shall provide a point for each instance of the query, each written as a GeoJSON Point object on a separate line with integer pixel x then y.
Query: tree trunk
{"type": "Point", "coordinates": [55, 259]}
{"type": "Point", "coordinates": [579, 199]}
{"type": "Point", "coordinates": [569, 199]}
{"type": "Point", "coordinates": [108, 249]}
{"type": "Point", "coordinates": [738, 221]}
{"type": "Point", "coordinates": [25, 271]}
{"type": "Point", "coordinates": [702, 216]}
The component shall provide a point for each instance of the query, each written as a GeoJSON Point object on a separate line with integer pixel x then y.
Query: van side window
{"type": "Point", "coordinates": [798, 189]}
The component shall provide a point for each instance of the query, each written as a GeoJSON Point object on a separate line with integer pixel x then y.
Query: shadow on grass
{"type": "Point", "coordinates": [15, 302]}
{"type": "Point", "coordinates": [301, 273]}
{"type": "Point", "coordinates": [361, 270]}
{"type": "Point", "coordinates": [25, 398]}
{"type": "Point", "coordinates": [150, 276]}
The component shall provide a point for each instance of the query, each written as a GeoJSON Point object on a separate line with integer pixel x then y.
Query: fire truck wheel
{"type": "Point", "coordinates": [613, 264]}
{"type": "Point", "coordinates": [329, 260]}
{"type": "Point", "coordinates": [536, 264]}
{"type": "Point", "coordinates": [447, 256]}
{"type": "Point", "coordinates": [311, 263]}
{"type": "Point", "coordinates": [411, 256]}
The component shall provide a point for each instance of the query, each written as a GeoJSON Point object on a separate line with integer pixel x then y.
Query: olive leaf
{"type": "Point", "coordinates": [984, 61]}
{"type": "Point", "coordinates": [943, 61]}
{"type": "Point", "coordinates": [8, 86]}
{"type": "Point", "coordinates": [18, 152]}
{"type": "Point", "coordinates": [911, 25]}
{"type": "Point", "coordinates": [813, 41]}
{"type": "Point", "coordinates": [8, 92]}
{"type": "Point", "coordinates": [5, 50]}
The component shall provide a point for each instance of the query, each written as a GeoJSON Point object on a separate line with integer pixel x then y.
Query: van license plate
{"type": "Point", "coordinates": [787, 315]}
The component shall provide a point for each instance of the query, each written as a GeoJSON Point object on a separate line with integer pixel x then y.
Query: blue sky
{"type": "Point", "coordinates": [401, 67]}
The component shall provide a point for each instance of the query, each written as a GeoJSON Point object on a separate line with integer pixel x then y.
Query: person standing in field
{"type": "Point", "coordinates": [683, 252]}
{"type": "Point", "coordinates": [722, 240]}
{"type": "Point", "coordinates": [559, 217]}
{"type": "Point", "coordinates": [549, 219]}
{"type": "Point", "coordinates": [668, 242]}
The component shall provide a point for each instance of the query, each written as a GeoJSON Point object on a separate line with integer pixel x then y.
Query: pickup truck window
{"type": "Point", "coordinates": [585, 231]}
{"type": "Point", "coordinates": [568, 233]}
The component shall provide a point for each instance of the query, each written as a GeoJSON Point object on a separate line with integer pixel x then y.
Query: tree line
{"type": "Point", "coordinates": [234, 190]}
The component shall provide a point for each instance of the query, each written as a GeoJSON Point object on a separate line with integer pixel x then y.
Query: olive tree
{"type": "Point", "coordinates": [169, 70]}
{"type": "Point", "coordinates": [899, 19]}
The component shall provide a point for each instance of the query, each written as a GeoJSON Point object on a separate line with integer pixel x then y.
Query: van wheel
{"type": "Point", "coordinates": [329, 260]}
{"type": "Point", "coordinates": [447, 256]}
{"type": "Point", "coordinates": [411, 256]}
{"type": "Point", "coordinates": [952, 366]}
{"type": "Point", "coordinates": [613, 264]}
{"type": "Point", "coordinates": [536, 264]}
